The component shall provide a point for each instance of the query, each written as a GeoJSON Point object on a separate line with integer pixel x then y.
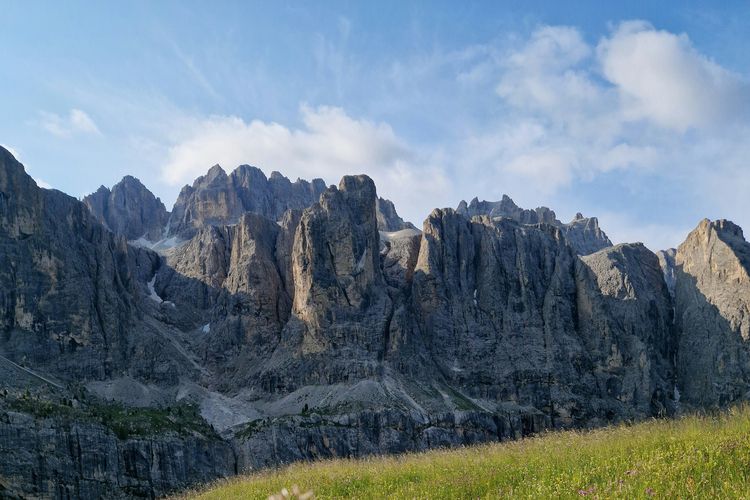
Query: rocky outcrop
{"type": "Point", "coordinates": [66, 287]}
{"type": "Point", "coordinates": [54, 458]}
{"type": "Point", "coordinates": [667, 263]}
{"type": "Point", "coordinates": [220, 199]}
{"type": "Point", "coordinates": [341, 308]}
{"type": "Point", "coordinates": [129, 209]}
{"type": "Point", "coordinates": [624, 315]}
{"type": "Point", "coordinates": [509, 313]}
{"type": "Point", "coordinates": [321, 436]}
{"type": "Point", "coordinates": [388, 219]}
{"type": "Point", "coordinates": [507, 208]}
{"type": "Point", "coordinates": [582, 233]}
{"type": "Point", "coordinates": [712, 308]}
{"type": "Point", "coordinates": [74, 306]}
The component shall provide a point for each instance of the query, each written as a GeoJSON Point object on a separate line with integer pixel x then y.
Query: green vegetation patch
{"type": "Point", "coordinates": [128, 422]}
{"type": "Point", "coordinates": [124, 421]}
{"type": "Point", "coordinates": [691, 457]}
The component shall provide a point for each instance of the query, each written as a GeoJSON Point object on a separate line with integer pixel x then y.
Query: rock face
{"type": "Point", "coordinates": [712, 314]}
{"type": "Point", "coordinates": [220, 199]}
{"type": "Point", "coordinates": [129, 209]}
{"type": "Point", "coordinates": [388, 219]}
{"type": "Point", "coordinates": [73, 305]}
{"type": "Point", "coordinates": [626, 318]}
{"type": "Point", "coordinates": [68, 288]}
{"type": "Point", "coordinates": [507, 208]}
{"type": "Point", "coordinates": [295, 321]}
{"type": "Point", "coordinates": [511, 314]}
{"type": "Point", "coordinates": [339, 293]}
{"type": "Point", "coordinates": [582, 233]}
{"type": "Point", "coordinates": [48, 458]}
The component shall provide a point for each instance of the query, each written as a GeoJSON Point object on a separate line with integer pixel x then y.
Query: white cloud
{"type": "Point", "coordinates": [655, 87]}
{"type": "Point", "coordinates": [76, 122]}
{"type": "Point", "coordinates": [660, 76]}
{"type": "Point", "coordinates": [548, 74]}
{"type": "Point", "coordinates": [330, 144]}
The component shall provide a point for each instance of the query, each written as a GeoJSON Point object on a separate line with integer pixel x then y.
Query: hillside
{"type": "Point", "coordinates": [691, 457]}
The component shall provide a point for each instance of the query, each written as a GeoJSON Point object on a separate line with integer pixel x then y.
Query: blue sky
{"type": "Point", "coordinates": [637, 112]}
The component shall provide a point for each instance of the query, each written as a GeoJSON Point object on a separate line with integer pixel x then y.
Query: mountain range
{"type": "Point", "coordinates": [263, 321]}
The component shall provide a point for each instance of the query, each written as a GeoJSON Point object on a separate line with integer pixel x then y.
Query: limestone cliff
{"type": "Point", "coordinates": [129, 209]}
{"type": "Point", "coordinates": [582, 233]}
{"type": "Point", "coordinates": [712, 308]}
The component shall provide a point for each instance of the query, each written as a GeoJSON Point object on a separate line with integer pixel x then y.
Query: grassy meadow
{"type": "Point", "coordinates": [690, 457]}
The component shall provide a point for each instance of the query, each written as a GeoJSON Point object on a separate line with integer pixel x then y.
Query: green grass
{"type": "Point", "coordinates": [692, 457]}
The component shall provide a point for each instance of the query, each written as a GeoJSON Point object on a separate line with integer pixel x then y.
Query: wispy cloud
{"type": "Point", "coordinates": [76, 122]}
{"type": "Point", "coordinates": [196, 74]}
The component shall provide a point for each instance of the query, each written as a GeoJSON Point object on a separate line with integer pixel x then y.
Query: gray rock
{"type": "Point", "coordinates": [52, 458]}
{"type": "Point", "coordinates": [129, 209]}
{"type": "Point", "coordinates": [509, 313]}
{"type": "Point", "coordinates": [667, 263]}
{"type": "Point", "coordinates": [221, 199]}
{"type": "Point", "coordinates": [582, 233]}
{"type": "Point", "coordinates": [712, 314]}
{"type": "Point", "coordinates": [388, 219]}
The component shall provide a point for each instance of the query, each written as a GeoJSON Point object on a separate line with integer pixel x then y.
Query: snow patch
{"type": "Point", "coordinates": [394, 235]}
{"type": "Point", "coordinates": [207, 328]}
{"type": "Point", "coordinates": [361, 264]}
{"type": "Point", "coordinates": [162, 246]}
{"type": "Point", "coordinates": [152, 291]}
{"type": "Point", "coordinates": [141, 243]}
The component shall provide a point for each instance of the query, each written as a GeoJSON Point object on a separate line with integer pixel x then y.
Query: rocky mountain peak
{"type": "Point", "coordinates": [20, 198]}
{"type": "Point", "coordinates": [336, 267]}
{"type": "Point", "coordinates": [582, 233]}
{"type": "Point", "coordinates": [506, 207]}
{"type": "Point", "coordinates": [220, 199]}
{"type": "Point", "coordinates": [712, 313]}
{"type": "Point", "coordinates": [129, 209]}
{"type": "Point", "coordinates": [388, 218]}
{"type": "Point", "coordinates": [215, 172]}
{"type": "Point", "coordinates": [247, 175]}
